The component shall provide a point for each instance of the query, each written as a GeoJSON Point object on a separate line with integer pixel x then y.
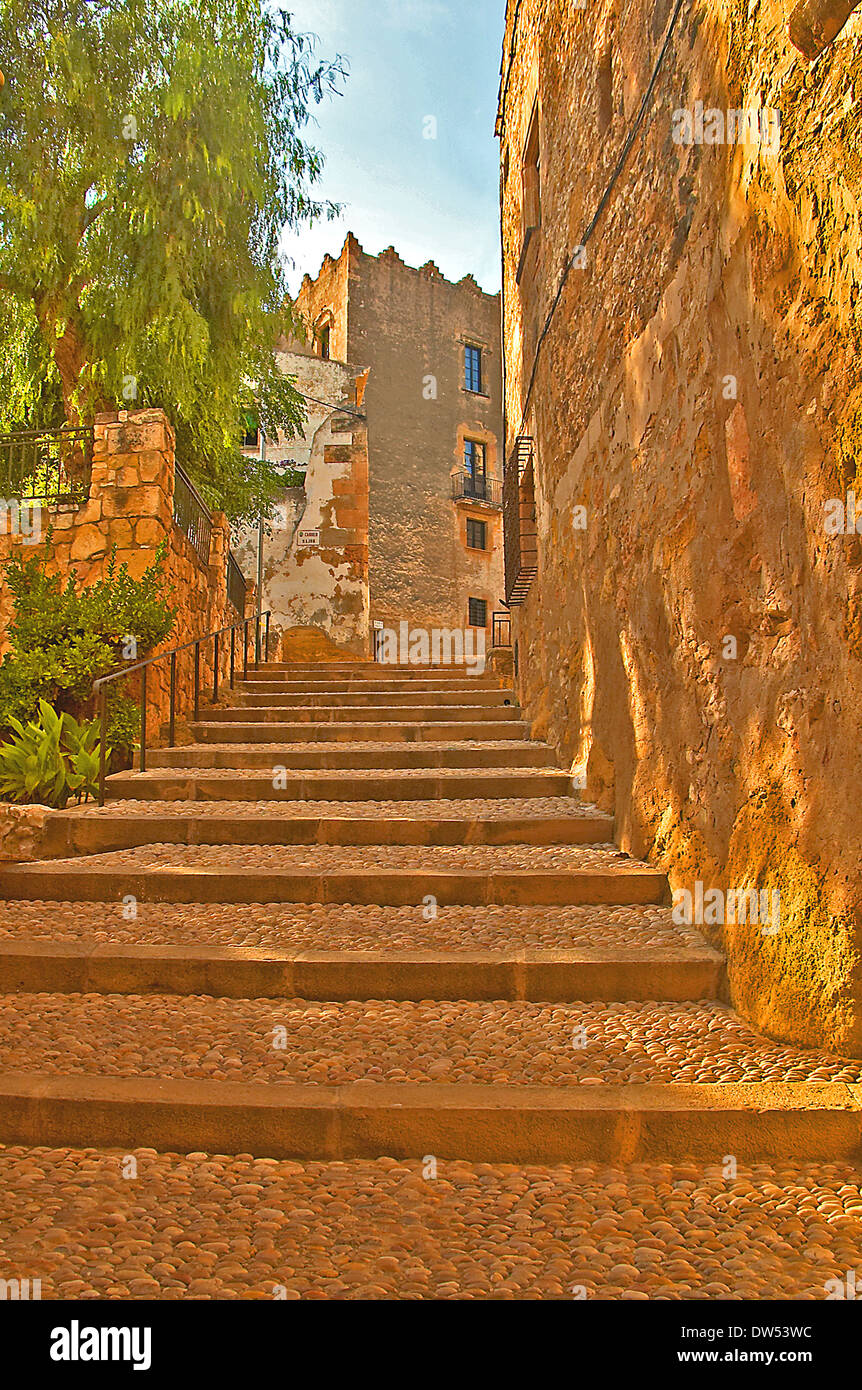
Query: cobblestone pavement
{"type": "Point", "coordinates": [319, 859]}
{"type": "Point", "coordinates": [198, 1037]}
{"type": "Point", "coordinates": [502, 808]}
{"type": "Point", "coordinates": [235, 1227]}
{"type": "Point", "coordinates": [345, 927]}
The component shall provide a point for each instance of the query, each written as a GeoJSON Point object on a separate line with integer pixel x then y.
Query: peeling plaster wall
{"type": "Point", "coordinates": [323, 585]}
{"type": "Point", "coordinates": [705, 509]}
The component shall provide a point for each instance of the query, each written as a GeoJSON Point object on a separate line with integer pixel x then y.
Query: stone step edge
{"type": "Point", "coordinates": [476, 1123]}
{"type": "Point", "coordinates": [347, 783]}
{"type": "Point", "coordinates": [78, 832]}
{"type": "Point", "coordinates": [80, 882]}
{"type": "Point", "coordinates": [542, 976]}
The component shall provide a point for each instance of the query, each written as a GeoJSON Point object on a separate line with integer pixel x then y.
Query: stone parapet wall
{"type": "Point", "coordinates": [693, 640]}
{"type": "Point", "coordinates": [130, 510]}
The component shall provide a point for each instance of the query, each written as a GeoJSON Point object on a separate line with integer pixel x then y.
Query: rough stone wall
{"type": "Point", "coordinates": [700, 395]}
{"type": "Point", "coordinates": [322, 584]}
{"type": "Point", "coordinates": [130, 507]}
{"type": "Point", "coordinates": [409, 326]}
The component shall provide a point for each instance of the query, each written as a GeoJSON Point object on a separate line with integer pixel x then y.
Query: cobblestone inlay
{"type": "Point", "coordinates": [523, 1043]}
{"type": "Point", "coordinates": [261, 859]}
{"type": "Point", "coordinates": [344, 927]}
{"type": "Point", "coordinates": [202, 1227]}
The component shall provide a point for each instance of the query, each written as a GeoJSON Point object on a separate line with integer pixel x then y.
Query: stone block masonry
{"type": "Point", "coordinates": [130, 507]}
{"type": "Point", "coordinates": [693, 637]}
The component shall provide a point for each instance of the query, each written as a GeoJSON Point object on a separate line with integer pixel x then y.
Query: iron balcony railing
{"type": "Point", "coordinates": [520, 546]}
{"type": "Point", "coordinates": [236, 586]}
{"type": "Point", "coordinates": [469, 487]}
{"type": "Point", "coordinates": [50, 466]}
{"type": "Point", "coordinates": [192, 515]}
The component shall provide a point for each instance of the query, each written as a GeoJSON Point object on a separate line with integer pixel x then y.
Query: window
{"type": "Point", "coordinates": [478, 612]}
{"type": "Point", "coordinates": [473, 369]}
{"type": "Point", "coordinates": [250, 437]}
{"type": "Point", "coordinates": [531, 176]}
{"type": "Point", "coordinates": [324, 342]}
{"type": "Point", "coordinates": [474, 466]}
{"type": "Point", "coordinates": [476, 531]}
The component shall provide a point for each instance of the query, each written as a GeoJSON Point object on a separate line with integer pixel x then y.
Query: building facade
{"type": "Point", "coordinates": [683, 397]}
{"type": "Point", "coordinates": [433, 407]}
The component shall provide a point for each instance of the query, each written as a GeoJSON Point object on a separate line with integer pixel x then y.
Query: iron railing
{"type": "Point", "coordinates": [100, 686]}
{"type": "Point", "coordinates": [477, 489]}
{"type": "Point", "coordinates": [192, 515]}
{"type": "Point", "coordinates": [50, 466]}
{"type": "Point", "coordinates": [501, 630]}
{"type": "Point", "coordinates": [520, 546]}
{"type": "Point", "coordinates": [236, 586]}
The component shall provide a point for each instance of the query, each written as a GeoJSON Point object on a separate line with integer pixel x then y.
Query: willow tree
{"type": "Point", "coordinates": [152, 152]}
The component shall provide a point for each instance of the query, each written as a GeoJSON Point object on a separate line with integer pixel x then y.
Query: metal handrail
{"type": "Point", "coordinates": [482, 488]}
{"type": "Point", "coordinates": [101, 683]}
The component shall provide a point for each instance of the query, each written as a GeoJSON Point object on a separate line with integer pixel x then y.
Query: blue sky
{"type": "Point", "coordinates": [432, 199]}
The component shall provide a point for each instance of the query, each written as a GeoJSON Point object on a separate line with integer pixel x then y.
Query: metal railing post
{"type": "Point", "coordinates": [232, 654]}
{"type": "Point", "coordinates": [266, 646]}
{"type": "Point", "coordinates": [245, 649]}
{"type": "Point", "coordinates": [257, 639]}
{"type": "Point", "coordinates": [103, 720]}
{"type": "Point", "coordinates": [197, 678]}
{"type": "Point", "coordinates": [143, 719]}
{"type": "Point", "coordinates": [215, 667]}
{"type": "Point", "coordinates": [172, 726]}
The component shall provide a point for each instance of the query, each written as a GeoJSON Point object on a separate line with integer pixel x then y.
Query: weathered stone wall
{"type": "Point", "coordinates": [409, 327]}
{"type": "Point", "coordinates": [700, 394]}
{"type": "Point", "coordinates": [130, 507]}
{"type": "Point", "coordinates": [320, 582]}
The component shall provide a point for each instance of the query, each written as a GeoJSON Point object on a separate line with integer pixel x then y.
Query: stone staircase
{"type": "Point", "coordinates": [362, 914]}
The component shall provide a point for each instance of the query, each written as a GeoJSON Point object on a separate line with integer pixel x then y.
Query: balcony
{"type": "Point", "coordinates": [479, 490]}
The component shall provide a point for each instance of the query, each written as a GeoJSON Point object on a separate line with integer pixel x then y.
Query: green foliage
{"type": "Point", "coordinates": [124, 728]}
{"type": "Point", "coordinates": [50, 759]}
{"type": "Point", "coordinates": [152, 153]}
{"type": "Point", "coordinates": [63, 638]}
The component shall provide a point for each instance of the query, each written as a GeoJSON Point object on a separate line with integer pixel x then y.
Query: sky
{"type": "Point", "coordinates": [432, 199]}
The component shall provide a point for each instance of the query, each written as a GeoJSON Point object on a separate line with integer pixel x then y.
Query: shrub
{"type": "Point", "coordinates": [63, 638]}
{"type": "Point", "coordinates": [50, 759]}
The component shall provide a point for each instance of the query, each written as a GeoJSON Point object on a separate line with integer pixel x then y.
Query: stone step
{"type": "Point", "coordinates": [481, 1124]}
{"type": "Point", "coordinates": [466, 697]}
{"type": "Point", "coordinates": [85, 831]}
{"type": "Point", "coordinates": [372, 714]}
{"type": "Point", "coordinates": [225, 972]}
{"type": "Point", "coordinates": [272, 732]}
{"type": "Point", "coordinates": [309, 927]}
{"type": "Point", "coordinates": [385, 875]}
{"type": "Point", "coordinates": [386, 687]}
{"type": "Point", "coordinates": [347, 757]}
{"type": "Point", "coordinates": [369, 670]}
{"type": "Point", "coordinates": [375, 1229]}
{"type": "Point", "coordinates": [193, 784]}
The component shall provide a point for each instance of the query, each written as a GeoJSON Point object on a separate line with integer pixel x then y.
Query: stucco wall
{"type": "Point", "coordinates": [322, 584]}
{"type": "Point", "coordinates": [699, 394]}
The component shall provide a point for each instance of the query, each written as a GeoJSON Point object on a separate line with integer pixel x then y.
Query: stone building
{"type": "Point", "coordinates": [414, 533]}
{"type": "Point", "coordinates": [683, 425]}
